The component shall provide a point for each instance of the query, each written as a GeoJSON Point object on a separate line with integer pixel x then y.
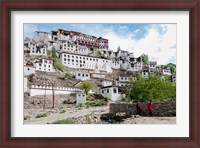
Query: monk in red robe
{"type": "Point", "coordinates": [150, 108]}
{"type": "Point", "coordinates": [139, 108]}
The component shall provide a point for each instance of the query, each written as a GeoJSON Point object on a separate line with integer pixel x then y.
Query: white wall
{"type": "Point", "coordinates": [86, 62]}
{"type": "Point", "coordinates": [96, 75]}
{"type": "Point", "coordinates": [82, 76]}
{"type": "Point", "coordinates": [45, 65]}
{"type": "Point", "coordinates": [40, 90]}
{"type": "Point", "coordinates": [166, 72]}
{"type": "Point", "coordinates": [33, 50]}
{"type": "Point", "coordinates": [80, 98]}
{"type": "Point", "coordinates": [29, 70]}
{"type": "Point", "coordinates": [106, 83]}
{"type": "Point", "coordinates": [115, 64]}
{"type": "Point", "coordinates": [108, 92]}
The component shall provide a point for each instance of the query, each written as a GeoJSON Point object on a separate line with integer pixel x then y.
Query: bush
{"type": "Point", "coordinates": [62, 111]}
{"type": "Point", "coordinates": [26, 117]}
{"type": "Point", "coordinates": [58, 64]}
{"type": "Point", "coordinates": [86, 87]}
{"type": "Point", "coordinates": [68, 75]}
{"type": "Point", "coordinates": [41, 115]}
{"type": "Point", "coordinates": [65, 121]}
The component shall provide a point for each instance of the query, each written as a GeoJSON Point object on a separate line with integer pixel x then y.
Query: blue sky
{"type": "Point", "coordinates": [156, 40]}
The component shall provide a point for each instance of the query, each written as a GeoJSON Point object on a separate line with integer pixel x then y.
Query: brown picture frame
{"type": "Point", "coordinates": [193, 6]}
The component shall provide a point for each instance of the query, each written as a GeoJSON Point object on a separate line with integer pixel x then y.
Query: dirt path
{"type": "Point", "coordinates": [68, 114]}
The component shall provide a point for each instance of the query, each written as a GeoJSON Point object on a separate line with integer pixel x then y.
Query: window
{"type": "Point", "coordinates": [65, 55]}
{"type": "Point", "coordinates": [90, 59]}
{"type": "Point", "coordinates": [68, 59]}
{"type": "Point", "coordinates": [64, 59]}
{"type": "Point", "coordinates": [33, 51]}
{"type": "Point", "coordinates": [72, 60]}
{"type": "Point", "coordinates": [68, 55]}
{"type": "Point", "coordinates": [44, 69]}
{"type": "Point", "coordinates": [93, 59]}
{"type": "Point", "coordinates": [86, 75]}
{"type": "Point", "coordinates": [86, 58]}
{"type": "Point", "coordinates": [83, 75]}
{"type": "Point", "coordinates": [44, 65]}
{"type": "Point", "coordinates": [40, 64]}
{"type": "Point", "coordinates": [102, 91]}
{"type": "Point", "coordinates": [79, 74]}
{"type": "Point", "coordinates": [114, 90]}
{"type": "Point", "coordinates": [77, 61]}
{"type": "Point", "coordinates": [49, 69]}
{"type": "Point", "coordinates": [80, 61]}
{"type": "Point", "coordinates": [83, 95]}
{"type": "Point", "coordinates": [107, 90]}
{"type": "Point", "coordinates": [80, 57]}
{"type": "Point", "coordinates": [28, 68]}
{"type": "Point", "coordinates": [72, 56]}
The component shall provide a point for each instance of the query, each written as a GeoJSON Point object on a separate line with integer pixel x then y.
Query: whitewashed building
{"type": "Point", "coordinates": [29, 69]}
{"type": "Point", "coordinates": [85, 62]}
{"type": "Point", "coordinates": [122, 80]}
{"type": "Point", "coordinates": [38, 50]}
{"type": "Point", "coordinates": [80, 98]}
{"type": "Point", "coordinates": [145, 73]}
{"type": "Point", "coordinates": [112, 92]}
{"type": "Point", "coordinates": [82, 75]}
{"type": "Point", "coordinates": [70, 47]}
{"type": "Point", "coordinates": [105, 83]}
{"type": "Point", "coordinates": [44, 65]}
{"type": "Point", "coordinates": [166, 72]}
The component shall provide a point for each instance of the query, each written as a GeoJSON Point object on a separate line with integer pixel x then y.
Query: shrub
{"type": "Point", "coordinates": [58, 64]}
{"type": "Point", "coordinates": [65, 121]}
{"type": "Point", "coordinates": [26, 117]}
{"type": "Point", "coordinates": [41, 115]}
{"type": "Point", "coordinates": [68, 75]}
{"type": "Point", "coordinates": [62, 111]}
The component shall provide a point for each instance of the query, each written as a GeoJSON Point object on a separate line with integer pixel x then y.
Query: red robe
{"type": "Point", "coordinates": [150, 106]}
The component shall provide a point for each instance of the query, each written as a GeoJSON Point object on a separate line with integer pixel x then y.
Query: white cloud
{"type": "Point", "coordinates": [159, 43]}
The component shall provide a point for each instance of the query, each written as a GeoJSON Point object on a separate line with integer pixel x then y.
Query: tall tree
{"type": "Point", "coordinates": [53, 54]}
{"type": "Point", "coordinates": [86, 87]}
{"type": "Point", "coordinates": [145, 58]}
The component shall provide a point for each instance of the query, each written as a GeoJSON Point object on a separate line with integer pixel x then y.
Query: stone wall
{"type": "Point", "coordinates": [167, 108]}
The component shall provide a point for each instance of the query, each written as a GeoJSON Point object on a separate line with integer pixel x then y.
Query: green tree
{"type": "Point", "coordinates": [68, 75]}
{"type": "Point", "coordinates": [58, 64]}
{"type": "Point", "coordinates": [53, 54]}
{"type": "Point", "coordinates": [86, 87]}
{"type": "Point", "coordinates": [145, 58]}
{"type": "Point", "coordinates": [172, 68]}
{"type": "Point", "coordinates": [151, 88]}
{"type": "Point", "coordinates": [97, 53]}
